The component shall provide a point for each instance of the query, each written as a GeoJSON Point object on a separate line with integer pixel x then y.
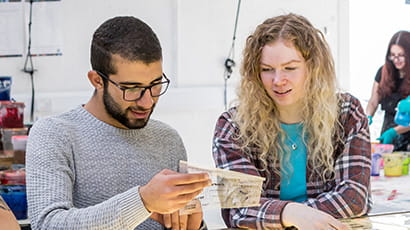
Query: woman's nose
{"type": "Point", "coordinates": [279, 77]}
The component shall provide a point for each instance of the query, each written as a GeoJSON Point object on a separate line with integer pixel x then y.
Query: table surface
{"type": "Point", "coordinates": [390, 194]}
{"type": "Point", "coordinates": [395, 221]}
{"type": "Point", "coordinates": [391, 208]}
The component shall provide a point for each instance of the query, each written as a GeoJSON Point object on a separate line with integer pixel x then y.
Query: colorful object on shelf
{"type": "Point", "coordinates": [16, 198]}
{"type": "Point", "coordinates": [19, 148]}
{"type": "Point", "coordinates": [5, 86]}
{"type": "Point", "coordinates": [13, 177]}
{"type": "Point", "coordinates": [13, 191]}
{"type": "Point", "coordinates": [19, 142]}
{"type": "Point", "coordinates": [11, 114]}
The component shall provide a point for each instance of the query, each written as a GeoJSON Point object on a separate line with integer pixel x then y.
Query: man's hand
{"type": "Point", "coordinates": [175, 221]}
{"type": "Point", "coordinates": [169, 191]}
{"type": "Point", "coordinates": [307, 218]}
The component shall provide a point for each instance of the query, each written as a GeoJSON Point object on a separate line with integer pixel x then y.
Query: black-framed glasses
{"type": "Point", "coordinates": [399, 58]}
{"type": "Point", "coordinates": [136, 92]}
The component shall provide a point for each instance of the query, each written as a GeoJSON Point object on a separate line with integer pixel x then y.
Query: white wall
{"type": "Point", "coordinates": [370, 33]}
{"type": "Point", "coordinates": [196, 37]}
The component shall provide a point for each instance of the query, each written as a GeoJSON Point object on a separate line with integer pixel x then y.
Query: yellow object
{"type": "Point", "coordinates": [393, 164]}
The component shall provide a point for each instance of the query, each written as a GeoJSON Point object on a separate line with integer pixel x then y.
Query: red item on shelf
{"type": "Point", "coordinates": [11, 114]}
{"type": "Point", "coordinates": [13, 177]}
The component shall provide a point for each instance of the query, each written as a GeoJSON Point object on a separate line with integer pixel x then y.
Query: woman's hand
{"type": "Point", "coordinates": [307, 218]}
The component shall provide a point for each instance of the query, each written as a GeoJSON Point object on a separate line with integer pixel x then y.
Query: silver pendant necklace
{"type": "Point", "coordinates": [294, 146]}
{"type": "Point", "coordinates": [291, 143]}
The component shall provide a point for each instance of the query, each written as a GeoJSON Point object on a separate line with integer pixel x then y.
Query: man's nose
{"type": "Point", "coordinates": [146, 101]}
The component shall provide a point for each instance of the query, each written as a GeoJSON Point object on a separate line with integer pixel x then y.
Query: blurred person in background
{"type": "Point", "coordinates": [392, 84]}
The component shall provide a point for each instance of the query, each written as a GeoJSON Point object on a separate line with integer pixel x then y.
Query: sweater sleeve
{"type": "Point", "coordinates": [50, 181]}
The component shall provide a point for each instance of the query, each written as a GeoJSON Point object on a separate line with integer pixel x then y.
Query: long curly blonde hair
{"type": "Point", "coordinates": [257, 114]}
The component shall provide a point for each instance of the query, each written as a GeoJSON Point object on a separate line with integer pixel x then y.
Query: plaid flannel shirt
{"type": "Point", "coordinates": [347, 195]}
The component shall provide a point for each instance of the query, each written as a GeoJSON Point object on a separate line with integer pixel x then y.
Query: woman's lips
{"type": "Point", "coordinates": [282, 92]}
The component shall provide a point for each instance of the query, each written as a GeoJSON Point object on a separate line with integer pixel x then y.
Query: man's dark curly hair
{"type": "Point", "coordinates": [128, 37]}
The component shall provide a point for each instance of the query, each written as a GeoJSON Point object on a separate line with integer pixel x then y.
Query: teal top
{"type": "Point", "coordinates": [293, 184]}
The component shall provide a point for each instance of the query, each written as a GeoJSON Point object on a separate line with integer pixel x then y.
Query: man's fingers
{"type": "Point", "coordinates": [185, 198]}
{"type": "Point", "coordinates": [175, 220]}
{"type": "Point", "coordinates": [194, 221]}
{"type": "Point", "coordinates": [183, 222]}
{"type": "Point", "coordinates": [191, 188]}
{"type": "Point", "coordinates": [167, 220]}
{"type": "Point", "coordinates": [187, 178]}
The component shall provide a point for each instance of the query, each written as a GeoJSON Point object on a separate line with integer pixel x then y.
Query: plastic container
{"type": "Point", "coordinates": [376, 164]}
{"type": "Point", "coordinates": [19, 142]}
{"type": "Point", "coordinates": [11, 114]}
{"type": "Point", "coordinates": [19, 147]}
{"type": "Point", "coordinates": [382, 148]}
{"type": "Point", "coordinates": [393, 164]}
{"type": "Point", "coordinates": [7, 135]}
{"type": "Point", "coordinates": [16, 198]}
{"type": "Point", "coordinates": [406, 162]}
{"type": "Point", "coordinates": [5, 86]}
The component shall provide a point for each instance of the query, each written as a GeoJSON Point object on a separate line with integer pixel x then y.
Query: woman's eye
{"type": "Point", "coordinates": [266, 69]}
{"type": "Point", "coordinates": [290, 68]}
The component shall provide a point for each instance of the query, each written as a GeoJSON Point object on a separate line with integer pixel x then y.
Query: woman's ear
{"type": "Point", "coordinates": [95, 79]}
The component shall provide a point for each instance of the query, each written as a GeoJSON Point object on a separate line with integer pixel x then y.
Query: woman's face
{"type": "Point", "coordinates": [397, 56]}
{"type": "Point", "coordinates": [283, 74]}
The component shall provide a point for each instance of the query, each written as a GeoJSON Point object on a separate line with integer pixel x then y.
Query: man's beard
{"type": "Point", "coordinates": [114, 110]}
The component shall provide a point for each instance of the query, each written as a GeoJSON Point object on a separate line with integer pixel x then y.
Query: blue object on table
{"type": "Point", "coordinates": [376, 163]}
{"type": "Point", "coordinates": [16, 198]}
{"type": "Point", "coordinates": [5, 85]}
{"type": "Point", "coordinates": [403, 112]}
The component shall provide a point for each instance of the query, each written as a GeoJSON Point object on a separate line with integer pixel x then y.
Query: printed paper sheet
{"type": "Point", "coordinates": [229, 189]}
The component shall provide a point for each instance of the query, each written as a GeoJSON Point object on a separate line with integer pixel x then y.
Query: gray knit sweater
{"type": "Point", "coordinates": [84, 174]}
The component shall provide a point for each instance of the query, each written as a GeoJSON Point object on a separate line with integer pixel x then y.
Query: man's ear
{"type": "Point", "coordinates": [95, 79]}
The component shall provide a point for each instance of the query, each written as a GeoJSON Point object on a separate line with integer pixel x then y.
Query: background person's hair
{"type": "Point", "coordinates": [128, 37]}
{"type": "Point", "coordinates": [389, 72]}
{"type": "Point", "coordinates": [258, 117]}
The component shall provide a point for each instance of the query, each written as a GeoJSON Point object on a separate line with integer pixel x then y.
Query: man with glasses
{"type": "Point", "coordinates": [105, 164]}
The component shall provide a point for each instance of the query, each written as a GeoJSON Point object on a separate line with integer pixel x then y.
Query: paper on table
{"type": "Point", "coordinates": [400, 221]}
{"type": "Point", "coordinates": [229, 189]}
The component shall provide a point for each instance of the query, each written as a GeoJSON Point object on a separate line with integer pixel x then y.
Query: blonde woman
{"type": "Point", "coordinates": [292, 127]}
